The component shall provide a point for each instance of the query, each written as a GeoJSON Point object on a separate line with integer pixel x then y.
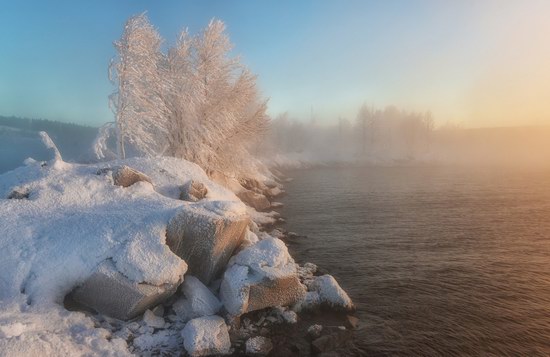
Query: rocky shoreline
{"type": "Point", "coordinates": [156, 257]}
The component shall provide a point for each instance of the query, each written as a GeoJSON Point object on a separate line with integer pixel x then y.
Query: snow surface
{"type": "Point", "coordinates": [73, 220]}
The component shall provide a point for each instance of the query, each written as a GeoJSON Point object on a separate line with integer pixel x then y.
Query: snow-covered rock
{"type": "Point", "coordinates": [126, 176]}
{"type": "Point", "coordinates": [198, 301]}
{"type": "Point", "coordinates": [206, 336]}
{"type": "Point", "coordinates": [261, 276]}
{"type": "Point", "coordinates": [110, 292]}
{"type": "Point", "coordinates": [331, 293]}
{"type": "Point", "coordinates": [206, 237]}
{"type": "Point", "coordinates": [153, 320]}
{"type": "Point", "coordinates": [258, 346]}
{"type": "Point", "coordinates": [310, 301]}
{"type": "Point", "coordinates": [75, 224]}
{"type": "Point", "coordinates": [315, 330]}
{"type": "Point", "coordinates": [253, 199]}
{"type": "Point", "coordinates": [193, 191]}
{"type": "Point", "coordinates": [325, 290]}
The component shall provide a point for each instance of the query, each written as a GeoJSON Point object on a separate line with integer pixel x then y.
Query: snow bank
{"type": "Point", "coordinates": [70, 221]}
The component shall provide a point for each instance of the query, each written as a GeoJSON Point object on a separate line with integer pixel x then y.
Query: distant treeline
{"type": "Point", "coordinates": [395, 136]}
{"type": "Point", "coordinates": [49, 126]}
{"type": "Point", "coordinates": [19, 139]}
{"type": "Point", "coordinates": [375, 135]}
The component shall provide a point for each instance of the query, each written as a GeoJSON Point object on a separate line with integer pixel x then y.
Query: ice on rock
{"type": "Point", "coordinates": [205, 336]}
{"type": "Point", "coordinates": [198, 301]}
{"type": "Point", "coordinates": [260, 276]}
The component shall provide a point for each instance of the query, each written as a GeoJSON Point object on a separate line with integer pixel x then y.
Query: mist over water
{"type": "Point", "coordinates": [439, 260]}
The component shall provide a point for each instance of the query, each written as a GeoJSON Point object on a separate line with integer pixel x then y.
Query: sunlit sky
{"type": "Point", "coordinates": [479, 63]}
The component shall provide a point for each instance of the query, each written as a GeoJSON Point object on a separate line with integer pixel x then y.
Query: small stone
{"type": "Point", "coordinates": [328, 343]}
{"type": "Point", "coordinates": [258, 346]}
{"type": "Point", "coordinates": [133, 326]}
{"type": "Point", "coordinates": [193, 191]}
{"type": "Point", "coordinates": [172, 318]}
{"type": "Point", "coordinates": [315, 330]}
{"type": "Point", "coordinates": [146, 330]}
{"type": "Point", "coordinates": [153, 320]}
{"type": "Point", "coordinates": [342, 328]}
{"type": "Point", "coordinates": [290, 317]}
{"type": "Point", "coordinates": [19, 194]}
{"type": "Point", "coordinates": [158, 310]}
{"type": "Point", "coordinates": [352, 321]}
{"type": "Point", "coordinates": [206, 336]}
{"type": "Point", "coordinates": [123, 333]}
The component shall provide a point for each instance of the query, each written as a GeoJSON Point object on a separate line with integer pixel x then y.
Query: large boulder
{"type": "Point", "coordinates": [255, 200]}
{"type": "Point", "coordinates": [206, 336]}
{"type": "Point", "coordinates": [206, 236]}
{"type": "Point", "coordinates": [109, 292]}
{"type": "Point", "coordinates": [262, 275]}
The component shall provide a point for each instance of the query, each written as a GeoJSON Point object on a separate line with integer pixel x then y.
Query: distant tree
{"type": "Point", "coordinates": [364, 118]}
{"type": "Point", "coordinates": [429, 125]}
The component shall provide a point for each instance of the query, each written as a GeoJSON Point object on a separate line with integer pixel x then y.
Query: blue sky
{"type": "Point", "coordinates": [481, 63]}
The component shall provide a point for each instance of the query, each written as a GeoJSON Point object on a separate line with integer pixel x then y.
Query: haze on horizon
{"type": "Point", "coordinates": [479, 63]}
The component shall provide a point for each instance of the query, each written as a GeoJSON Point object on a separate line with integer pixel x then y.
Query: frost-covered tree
{"type": "Point", "coordinates": [195, 102]}
{"type": "Point", "coordinates": [217, 113]}
{"type": "Point", "coordinates": [138, 102]}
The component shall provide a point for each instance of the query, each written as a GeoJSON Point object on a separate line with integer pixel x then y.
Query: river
{"type": "Point", "coordinates": [439, 260]}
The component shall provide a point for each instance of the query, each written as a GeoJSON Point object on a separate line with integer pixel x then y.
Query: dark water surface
{"type": "Point", "coordinates": [439, 261]}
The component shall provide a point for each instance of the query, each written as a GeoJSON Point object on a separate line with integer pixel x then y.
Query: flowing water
{"type": "Point", "coordinates": [439, 261]}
